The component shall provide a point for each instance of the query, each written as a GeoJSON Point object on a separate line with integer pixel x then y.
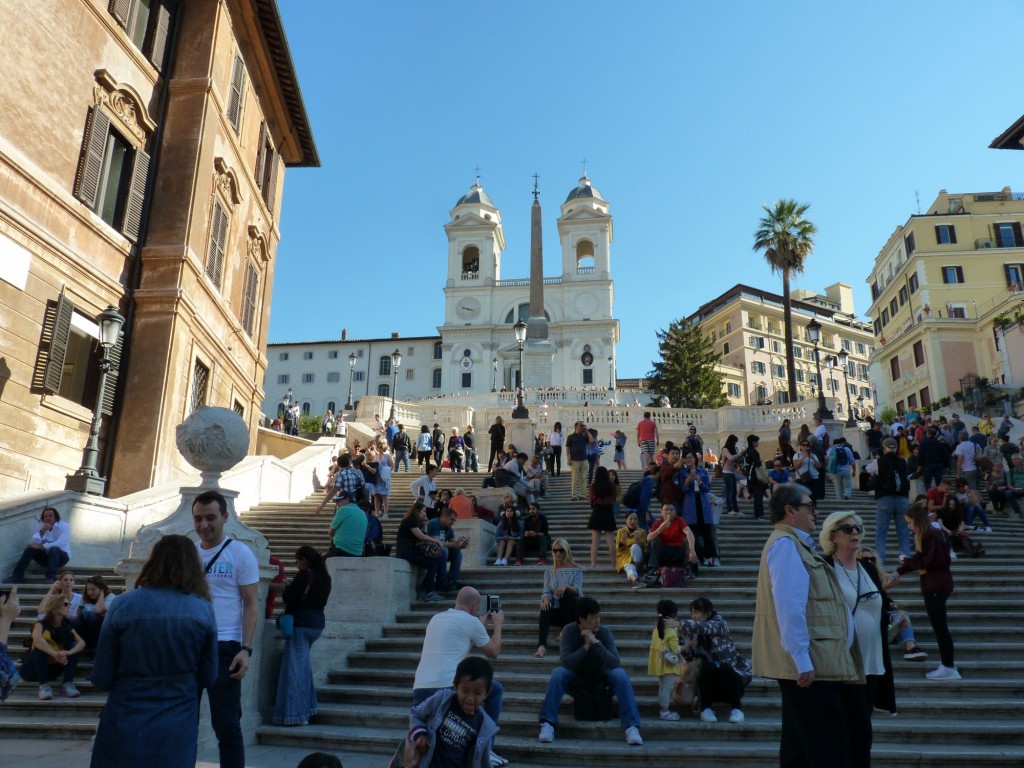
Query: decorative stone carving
{"type": "Point", "coordinates": [212, 440]}
{"type": "Point", "coordinates": [258, 245]}
{"type": "Point", "coordinates": [225, 182]}
{"type": "Point", "coordinates": [124, 104]}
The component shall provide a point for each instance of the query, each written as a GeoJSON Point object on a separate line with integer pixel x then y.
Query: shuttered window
{"type": "Point", "coordinates": [252, 281]}
{"type": "Point", "coordinates": [234, 110]}
{"type": "Point", "coordinates": [218, 244]}
{"type": "Point", "coordinates": [147, 23]}
{"type": "Point", "coordinates": [266, 167]}
{"type": "Point", "coordinates": [112, 175]}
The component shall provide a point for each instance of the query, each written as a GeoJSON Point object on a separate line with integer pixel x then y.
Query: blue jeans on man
{"type": "Point", "coordinates": [51, 559]}
{"type": "Point", "coordinates": [225, 697]}
{"type": "Point", "coordinates": [401, 455]}
{"type": "Point", "coordinates": [453, 566]}
{"type": "Point", "coordinates": [892, 509]}
{"type": "Point", "coordinates": [562, 678]}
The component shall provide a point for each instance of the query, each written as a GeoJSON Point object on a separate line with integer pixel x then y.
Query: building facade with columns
{"type": "Point", "coordinates": [143, 145]}
{"type": "Point", "coordinates": [475, 350]}
{"type": "Point", "coordinates": [947, 294]}
{"type": "Point", "coordinates": [746, 326]}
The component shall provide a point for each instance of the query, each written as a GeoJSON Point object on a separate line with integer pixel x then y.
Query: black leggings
{"type": "Point", "coordinates": [564, 614]}
{"type": "Point", "coordinates": [557, 451]}
{"type": "Point", "coordinates": [935, 605]}
{"type": "Point", "coordinates": [719, 683]}
{"type": "Point", "coordinates": [495, 447]}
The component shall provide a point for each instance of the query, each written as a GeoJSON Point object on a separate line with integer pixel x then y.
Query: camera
{"type": "Point", "coordinates": [494, 603]}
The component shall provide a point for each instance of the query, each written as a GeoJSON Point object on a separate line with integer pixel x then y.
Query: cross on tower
{"type": "Point", "coordinates": [476, 171]}
{"type": "Point", "coordinates": [584, 161]}
{"type": "Point", "coordinates": [536, 189]}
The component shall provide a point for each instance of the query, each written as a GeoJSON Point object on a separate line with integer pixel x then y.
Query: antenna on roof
{"type": "Point", "coordinates": [917, 197]}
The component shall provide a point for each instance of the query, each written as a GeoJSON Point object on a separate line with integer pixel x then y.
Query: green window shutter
{"type": "Point", "coordinates": [90, 164]}
{"type": "Point", "coordinates": [270, 189]}
{"type": "Point", "coordinates": [258, 174]}
{"type": "Point", "coordinates": [112, 377]}
{"type": "Point", "coordinates": [136, 202]}
{"type": "Point", "coordinates": [120, 9]}
{"type": "Point", "coordinates": [218, 240]}
{"type": "Point", "coordinates": [156, 47]}
{"type": "Point", "coordinates": [58, 345]}
{"type": "Point", "coordinates": [249, 299]}
{"type": "Point", "coordinates": [237, 90]}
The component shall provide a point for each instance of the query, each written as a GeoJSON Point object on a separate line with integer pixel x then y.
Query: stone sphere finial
{"type": "Point", "coordinates": [212, 440]}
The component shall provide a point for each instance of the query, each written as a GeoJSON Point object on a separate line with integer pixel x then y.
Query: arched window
{"type": "Point", "coordinates": [584, 257]}
{"type": "Point", "coordinates": [523, 314]}
{"type": "Point", "coordinates": [305, 408]}
{"type": "Point", "coordinates": [470, 261]}
{"type": "Point", "coordinates": [385, 365]}
{"type": "Point", "coordinates": [384, 390]}
{"type": "Point", "coordinates": [331, 406]}
{"type": "Point", "coordinates": [438, 350]}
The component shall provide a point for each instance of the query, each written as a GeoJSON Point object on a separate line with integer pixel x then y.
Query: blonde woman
{"type": "Point", "coordinates": [563, 586]}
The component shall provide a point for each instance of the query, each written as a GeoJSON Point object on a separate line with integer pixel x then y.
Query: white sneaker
{"type": "Point", "coordinates": [669, 715]}
{"type": "Point", "coordinates": [736, 716]}
{"type": "Point", "coordinates": [633, 736]}
{"type": "Point", "coordinates": [497, 761]}
{"type": "Point", "coordinates": [45, 693]}
{"type": "Point", "coordinates": [547, 733]}
{"type": "Point", "coordinates": [500, 561]}
{"type": "Point", "coordinates": [943, 673]}
{"type": "Point", "coordinates": [708, 716]}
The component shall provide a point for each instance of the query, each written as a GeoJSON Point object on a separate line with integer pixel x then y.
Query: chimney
{"type": "Point", "coordinates": [395, 334]}
{"type": "Point", "coordinates": [344, 334]}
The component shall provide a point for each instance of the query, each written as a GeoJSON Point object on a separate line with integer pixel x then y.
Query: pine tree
{"type": "Point", "coordinates": [686, 372]}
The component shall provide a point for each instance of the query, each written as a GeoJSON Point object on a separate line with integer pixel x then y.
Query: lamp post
{"type": "Point", "coordinates": [814, 333]}
{"type": "Point", "coordinates": [844, 360]}
{"type": "Point", "coordinates": [520, 411]}
{"type": "Point", "coordinates": [88, 479]}
{"type": "Point", "coordinates": [611, 377]}
{"type": "Point", "coordinates": [396, 360]}
{"type": "Point", "coordinates": [351, 372]}
{"type": "Point", "coordinates": [494, 375]}
{"type": "Point", "coordinates": [287, 399]}
{"type": "Point", "coordinates": [860, 407]}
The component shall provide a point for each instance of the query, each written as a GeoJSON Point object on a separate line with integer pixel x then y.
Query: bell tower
{"type": "Point", "coordinates": [475, 240]}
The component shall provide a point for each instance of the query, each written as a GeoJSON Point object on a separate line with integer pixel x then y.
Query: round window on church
{"type": "Point", "coordinates": [586, 347]}
{"type": "Point", "coordinates": [465, 353]}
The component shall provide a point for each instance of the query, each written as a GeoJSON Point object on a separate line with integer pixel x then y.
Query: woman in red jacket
{"type": "Point", "coordinates": [931, 561]}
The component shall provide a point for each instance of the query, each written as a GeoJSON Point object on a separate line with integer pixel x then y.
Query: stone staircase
{"type": "Point", "coordinates": [364, 705]}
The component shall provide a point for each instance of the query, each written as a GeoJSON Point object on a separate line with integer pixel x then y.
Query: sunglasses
{"type": "Point", "coordinates": [851, 528]}
{"type": "Point", "coordinates": [557, 551]}
{"type": "Point", "coordinates": [867, 559]}
{"type": "Point", "coordinates": [67, 604]}
{"type": "Point", "coordinates": [868, 596]}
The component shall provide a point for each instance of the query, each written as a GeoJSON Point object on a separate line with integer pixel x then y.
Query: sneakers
{"type": "Point", "coordinates": [714, 562]}
{"type": "Point", "coordinates": [652, 575]}
{"type": "Point", "coordinates": [45, 693]}
{"type": "Point", "coordinates": [69, 691]}
{"type": "Point", "coordinates": [519, 561]}
{"type": "Point", "coordinates": [542, 561]}
{"type": "Point", "coordinates": [547, 733]}
{"type": "Point", "coordinates": [432, 597]}
{"type": "Point", "coordinates": [708, 716]}
{"type": "Point", "coordinates": [501, 561]}
{"type": "Point", "coordinates": [915, 654]}
{"type": "Point", "coordinates": [497, 761]}
{"type": "Point", "coordinates": [736, 716]}
{"type": "Point", "coordinates": [639, 585]}
{"type": "Point", "coordinates": [669, 715]}
{"type": "Point", "coordinates": [633, 736]}
{"type": "Point", "coordinates": [943, 673]}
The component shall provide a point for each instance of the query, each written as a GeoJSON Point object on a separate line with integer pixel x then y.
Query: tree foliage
{"type": "Point", "coordinates": [787, 239]}
{"type": "Point", "coordinates": [686, 372]}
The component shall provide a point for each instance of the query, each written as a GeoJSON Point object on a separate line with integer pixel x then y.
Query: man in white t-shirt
{"type": "Point", "coordinates": [450, 637]}
{"type": "Point", "coordinates": [233, 576]}
{"type": "Point", "coordinates": [967, 454]}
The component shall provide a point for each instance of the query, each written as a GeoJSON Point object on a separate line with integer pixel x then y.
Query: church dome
{"type": "Point", "coordinates": [584, 191]}
{"type": "Point", "coordinates": [476, 194]}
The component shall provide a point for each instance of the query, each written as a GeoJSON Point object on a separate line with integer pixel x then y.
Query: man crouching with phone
{"type": "Point", "coordinates": [450, 637]}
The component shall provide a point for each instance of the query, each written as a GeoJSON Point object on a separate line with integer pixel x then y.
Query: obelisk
{"type": "Point", "coordinates": [537, 324]}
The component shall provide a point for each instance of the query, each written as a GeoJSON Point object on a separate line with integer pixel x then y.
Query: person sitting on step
{"type": "Point", "coordinates": [509, 536]}
{"type": "Point", "coordinates": [631, 549]}
{"type": "Point", "coordinates": [50, 547]}
{"type": "Point", "coordinates": [56, 649]}
{"type": "Point", "coordinates": [670, 543]}
{"type": "Point", "coordinates": [563, 586]}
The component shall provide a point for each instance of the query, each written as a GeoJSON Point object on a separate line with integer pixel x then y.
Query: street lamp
{"type": "Point", "coordinates": [520, 411]}
{"type": "Point", "coordinates": [287, 399]}
{"type": "Point", "coordinates": [860, 406]}
{"type": "Point", "coordinates": [396, 360]}
{"type": "Point", "coordinates": [351, 372]}
{"type": "Point", "coordinates": [611, 377]}
{"type": "Point", "coordinates": [494, 375]}
{"type": "Point", "coordinates": [87, 479]}
{"type": "Point", "coordinates": [814, 333]}
{"type": "Point", "coordinates": [844, 360]}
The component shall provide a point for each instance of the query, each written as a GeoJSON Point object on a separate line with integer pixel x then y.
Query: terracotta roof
{"type": "Point", "coordinates": [1010, 138]}
{"type": "Point", "coordinates": [270, 24]}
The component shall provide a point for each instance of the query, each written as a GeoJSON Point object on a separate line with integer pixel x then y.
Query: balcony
{"type": "Point", "coordinates": [470, 275]}
{"type": "Point", "coordinates": [989, 242]}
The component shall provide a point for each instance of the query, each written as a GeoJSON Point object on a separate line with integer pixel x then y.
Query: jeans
{"type": "Point", "coordinates": [401, 455]}
{"type": "Point", "coordinates": [561, 678]}
{"type": "Point", "coordinates": [975, 509]}
{"type": "Point", "coordinates": [888, 509]}
{"type": "Point", "coordinates": [731, 499]}
{"type": "Point", "coordinates": [935, 605]}
{"type": "Point", "coordinates": [454, 462]}
{"type": "Point", "coordinates": [843, 484]}
{"type": "Point", "coordinates": [658, 554]}
{"type": "Point", "coordinates": [434, 567]}
{"type": "Point", "coordinates": [472, 460]}
{"type": "Point", "coordinates": [971, 476]}
{"type": "Point", "coordinates": [932, 474]}
{"type": "Point", "coordinates": [38, 668]}
{"type": "Point", "coordinates": [225, 697]}
{"type": "Point", "coordinates": [592, 463]}
{"type": "Point", "coordinates": [492, 704]}
{"type": "Point", "coordinates": [453, 561]}
{"type": "Point", "coordinates": [1009, 497]}
{"type": "Point", "coordinates": [541, 542]}
{"type": "Point", "coordinates": [51, 559]}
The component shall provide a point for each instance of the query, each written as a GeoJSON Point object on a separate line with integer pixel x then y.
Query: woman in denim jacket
{"type": "Point", "coordinates": [157, 649]}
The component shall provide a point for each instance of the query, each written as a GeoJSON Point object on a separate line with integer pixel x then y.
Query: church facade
{"type": "Point", "coordinates": [475, 350]}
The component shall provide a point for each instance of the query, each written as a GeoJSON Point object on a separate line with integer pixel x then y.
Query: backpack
{"type": "Point", "coordinates": [842, 456]}
{"type": "Point", "coordinates": [833, 461]}
{"type": "Point", "coordinates": [671, 577]}
{"type": "Point", "coordinates": [631, 498]}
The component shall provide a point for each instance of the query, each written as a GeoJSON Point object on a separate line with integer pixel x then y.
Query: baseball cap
{"type": "Point", "coordinates": [890, 443]}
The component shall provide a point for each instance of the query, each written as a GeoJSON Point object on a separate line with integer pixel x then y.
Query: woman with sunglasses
{"type": "Point", "coordinates": [840, 539]}
{"type": "Point", "coordinates": [563, 586]}
{"type": "Point", "coordinates": [55, 649]}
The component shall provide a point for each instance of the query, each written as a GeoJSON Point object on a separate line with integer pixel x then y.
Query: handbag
{"type": "Point", "coordinates": [762, 475]}
{"type": "Point", "coordinates": [431, 549]}
{"type": "Point", "coordinates": [286, 625]}
{"type": "Point", "coordinates": [685, 690]}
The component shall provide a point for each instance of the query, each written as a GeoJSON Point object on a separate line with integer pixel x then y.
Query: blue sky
{"type": "Point", "coordinates": [691, 117]}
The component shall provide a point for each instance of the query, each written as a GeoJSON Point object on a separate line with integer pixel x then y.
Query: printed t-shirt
{"type": "Point", "coordinates": [236, 567]}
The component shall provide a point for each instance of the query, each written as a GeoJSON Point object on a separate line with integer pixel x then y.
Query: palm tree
{"type": "Point", "coordinates": [787, 239]}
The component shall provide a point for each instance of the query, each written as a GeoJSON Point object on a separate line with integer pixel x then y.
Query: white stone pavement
{"type": "Point", "coordinates": [54, 753]}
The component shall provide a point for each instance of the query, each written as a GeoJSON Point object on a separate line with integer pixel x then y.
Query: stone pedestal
{"type": "Point", "coordinates": [521, 433]}
{"type": "Point", "coordinates": [538, 357]}
{"type": "Point", "coordinates": [481, 540]}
